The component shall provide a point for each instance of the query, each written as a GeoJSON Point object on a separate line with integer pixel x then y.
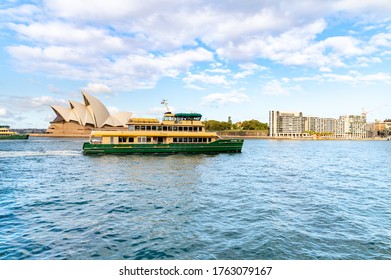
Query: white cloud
{"type": "Point", "coordinates": [344, 46]}
{"type": "Point", "coordinates": [133, 45]}
{"type": "Point", "coordinates": [232, 97]}
{"type": "Point", "coordinates": [274, 87]}
{"type": "Point", "coordinates": [292, 47]}
{"type": "Point", "coordinates": [125, 72]}
{"type": "Point", "coordinates": [248, 69]}
{"type": "Point", "coordinates": [204, 78]}
{"type": "Point", "coordinates": [3, 112]}
{"type": "Point", "coordinates": [43, 101]}
{"type": "Point", "coordinates": [18, 13]}
{"type": "Point", "coordinates": [97, 88]}
{"type": "Point", "coordinates": [357, 78]}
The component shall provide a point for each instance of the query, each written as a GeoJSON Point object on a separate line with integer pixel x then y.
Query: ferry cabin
{"type": "Point", "coordinates": [183, 128]}
{"type": "Point", "coordinates": [5, 131]}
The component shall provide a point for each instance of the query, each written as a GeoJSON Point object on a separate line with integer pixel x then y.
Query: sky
{"type": "Point", "coordinates": [227, 58]}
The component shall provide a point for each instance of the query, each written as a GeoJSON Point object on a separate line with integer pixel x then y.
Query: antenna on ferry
{"type": "Point", "coordinates": [165, 102]}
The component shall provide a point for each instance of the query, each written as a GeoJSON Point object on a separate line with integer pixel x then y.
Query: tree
{"type": "Point", "coordinates": [213, 125]}
{"type": "Point", "coordinates": [254, 125]}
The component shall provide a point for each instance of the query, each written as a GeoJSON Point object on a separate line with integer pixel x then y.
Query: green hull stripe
{"type": "Point", "coordinates": [18, 137]}
{"type": "Point", "coordinates": [220, 146]}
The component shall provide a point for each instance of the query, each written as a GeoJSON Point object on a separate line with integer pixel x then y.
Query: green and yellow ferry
{"type": "Point", "coordinates": [176, 133]}
{"type": "Point", "coordinates": [7, 134]}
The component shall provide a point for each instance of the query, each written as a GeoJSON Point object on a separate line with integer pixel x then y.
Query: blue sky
{"type": "Point", "coordinates": [219, 58]}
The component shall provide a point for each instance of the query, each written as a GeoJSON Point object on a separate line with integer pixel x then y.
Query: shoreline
{"type": "Point", "coordinates": [306, 139]}
{"type": "Point", "coordinates": [231, 136]}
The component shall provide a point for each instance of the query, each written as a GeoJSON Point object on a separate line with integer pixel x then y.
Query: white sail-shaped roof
{"type": "Point", "coordinates": [93, 112]}
{"type": "Point", "coordinates": [98, 111]}
{"type": "Point", "coordinates": [83, 114]}
{"type": "Point", "coordinates": [112, 121]}
{"type": "Point", "coordinates": [62, 112]}
{"type": "Point", "coordinates": [123, 117]}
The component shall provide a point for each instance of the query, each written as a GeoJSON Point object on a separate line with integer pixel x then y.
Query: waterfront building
{"type": "Point", "coordinates": [380, 129]}
{"type": "Point", "coordinates": [351, 127]}
{"type": "Point", "coordinates": [81, 119]}
{"type": "Point", "coordinates": [294, 125]}
{"type": "Point", "coordinates": [287, 124]}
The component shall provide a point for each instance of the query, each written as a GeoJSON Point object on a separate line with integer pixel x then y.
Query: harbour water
{"type": "Point", "coordinates": [275, 200]}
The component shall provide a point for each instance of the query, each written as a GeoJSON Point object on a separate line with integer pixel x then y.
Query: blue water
{"type": "Point", "coordinates": [275, 200]}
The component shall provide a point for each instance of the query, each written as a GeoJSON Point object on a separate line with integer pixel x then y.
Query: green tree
{"type": "Point", "coordinates": [254, 125]}
{"type": "Point", "coordinates": [213, 125]}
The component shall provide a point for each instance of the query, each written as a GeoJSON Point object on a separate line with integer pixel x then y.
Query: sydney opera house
{"type": "Point", "coordinates": [80, 119]}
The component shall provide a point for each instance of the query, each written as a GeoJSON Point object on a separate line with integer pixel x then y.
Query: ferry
{"type": "Point", "coordinates": [7, 134]}
{"type": "Point", "coordinates": [176, 133]}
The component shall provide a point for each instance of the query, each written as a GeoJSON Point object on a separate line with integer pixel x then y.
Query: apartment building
{"type": "Point", "coordinates": [294, 125]}
{"type": "Point", "coordinates": [351, 127]}
{"type": "Point", "coordinates": [287, 124]}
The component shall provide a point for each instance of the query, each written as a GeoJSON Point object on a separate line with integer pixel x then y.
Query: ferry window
{"type": "Point", "coordinates": [142, 127]}
{"type": "Point", "coordinates": [96, 140]}
{"type": "Point", "coordinates": [174, 128]}
{"type": "Point", "coordinates": [174, 140]}
{"type": "Point", "coordinates": [137, 127]}
{"type": "Point", "coordinates": [142, 139]}
{"type": "Point", "coordinates": [204, 140]}
{"type": "Point", "coordinates": [154, 127]}
{"type": "Point", "coordinates": [169, 128]}
{"type": "Point", "coordinates": [131, 127]}
{"type": "Point", "coordinates": [190, 128]}
{"type": "Point", "coordinates": [194, 139]}
{"type": "Point", "coordinates": [148, 127]}
{"type": "Point", "coordinates": [209, 139]}
{"type": "Point", "coordinates": [164, 128]}
{"type": "Point", "coordinates": [190, 140]}
{"type": "Point", "coordinates": [130, 139]}
{"type": "Point", "coordinates": [121, 139]}
{"type": "Point", "coordinates": [184, 139]}
{"type": "Point", "coordinates": [159, 128]}
{"type": "Point", "coordinates": [180, 140]}
{"type": "Point", "coordinates": [185, 128]}
{"type": "Point", "coordinates": [180, 128]}
{"type": "Point", "coordinates": [149, 139]}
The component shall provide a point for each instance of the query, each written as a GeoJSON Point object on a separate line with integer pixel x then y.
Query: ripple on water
{"type": "Point", "coordinates": [275, 200]}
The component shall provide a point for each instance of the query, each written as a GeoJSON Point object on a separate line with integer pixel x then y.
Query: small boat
{"type": "Point", "coordinates": [7, 134]}
{"type": "Point", "coordinates": [176, 133]}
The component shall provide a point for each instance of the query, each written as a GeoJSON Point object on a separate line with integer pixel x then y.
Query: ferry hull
{"type": "Point", "coordinates": [14, 137]}
{"type": "Point", "coordinates": [219, 146]}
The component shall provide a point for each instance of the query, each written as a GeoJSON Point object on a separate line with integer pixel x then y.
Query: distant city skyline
{"type": "Point", "coordinates": [241, 59]}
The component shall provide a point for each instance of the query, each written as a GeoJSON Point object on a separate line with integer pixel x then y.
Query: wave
{"type": "Point", "coordinates": [12, 154]}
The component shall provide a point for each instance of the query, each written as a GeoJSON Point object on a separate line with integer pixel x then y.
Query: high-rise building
{"type": "Point", "coordinates": [286, 124]}
{"type": "Point", "coordinates": [294, 124]}
{"type": "Point", "coordinates": [351, 127]}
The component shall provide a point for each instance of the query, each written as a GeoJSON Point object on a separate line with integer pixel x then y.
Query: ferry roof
{"type": "Point", "coordinates": [143, 120]}
{"type": "Point", "coordinates": [188, 115]}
